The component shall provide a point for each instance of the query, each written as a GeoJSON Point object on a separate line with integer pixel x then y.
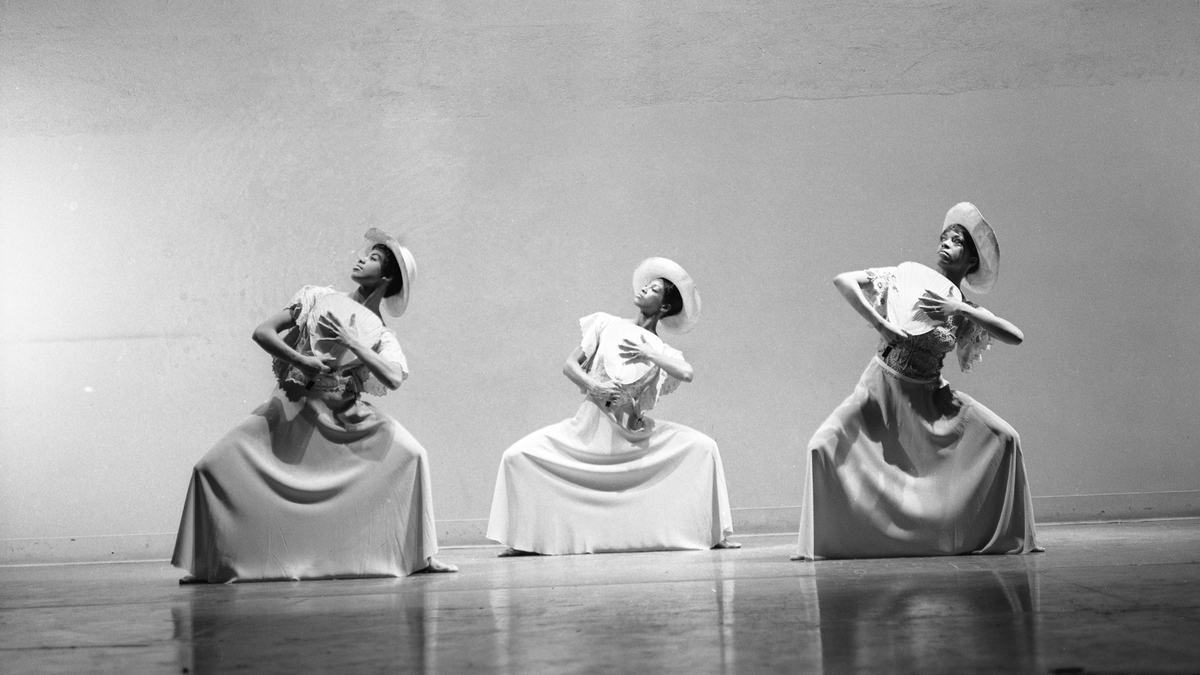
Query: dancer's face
{"type": "Point", "coordinates": [368, 271]}
{"type": "Point", "coordinates": [649, 299]}
{"type": "Point", "coordinates": [952, 252]}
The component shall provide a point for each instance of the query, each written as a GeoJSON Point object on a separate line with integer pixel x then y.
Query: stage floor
{"type": "Point", "coordinates": [1104, 598]}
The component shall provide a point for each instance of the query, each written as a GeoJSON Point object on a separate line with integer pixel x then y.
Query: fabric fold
{"type": "Point", "coordinates": [588, 485]}
{"type": "Point", "coordinates": [904, 468]}
{"type": "Point", "coordinates": [274, 499]}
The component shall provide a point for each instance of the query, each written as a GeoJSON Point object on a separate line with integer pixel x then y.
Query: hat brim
{"type": "Point", "coordinates": [968, 216]}
{"type": "Point", "coordinates": [394, 306]}
{"type": "Point", "coordinates": [662, 268]}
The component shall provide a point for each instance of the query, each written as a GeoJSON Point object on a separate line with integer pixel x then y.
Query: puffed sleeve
{"type": "Point", "coordinates": [304, 299]}
{"type": "Point", "coordinates": [970, 343]}
{"type": "Point", "coordinates": [389, 349]}
{"type": "Point", "coordinates": [590, 328]}
{"type": "Point", "coordinates": [667, 383]}
{"type": "Point", "coordinates": [882, 279]}
{"type": "Point", "coordinates": [300, 306]}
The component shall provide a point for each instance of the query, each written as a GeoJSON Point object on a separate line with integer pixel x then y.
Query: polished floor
{"type": "Point", "coordinates": [1104, 598]}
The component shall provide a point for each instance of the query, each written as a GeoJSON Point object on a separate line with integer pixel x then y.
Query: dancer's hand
{"type": "Point", "coordinates": [636, 352]}
{"type": "Point", "coordinates": [312, 365]}
{"type": "Point", "coordinates": [890, 332]}
{"type": "Point", "coordinates": [344, 334]}
{"type": "Point", "coordinates": [606, 392]}
{"type": "Point", "coordinates": [937, 307]}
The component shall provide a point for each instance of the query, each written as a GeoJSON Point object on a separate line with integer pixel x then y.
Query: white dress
{"type": "Point", "coordinates": [286, 495]}
{"type": "Point", "coordinates": [589, 484]}
{"type": "Point", "coordinates": [907, 466]}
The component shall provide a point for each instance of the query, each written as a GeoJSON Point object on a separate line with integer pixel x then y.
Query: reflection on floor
{"type": "Point", "coordinates": [1104, 598]}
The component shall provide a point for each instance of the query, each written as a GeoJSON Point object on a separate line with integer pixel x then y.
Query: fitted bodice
{"type": "Point", "coordinates": [920, 356]}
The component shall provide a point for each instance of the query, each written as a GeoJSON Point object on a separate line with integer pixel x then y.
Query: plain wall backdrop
{"type": "Point", "coordinates": [171, 173]}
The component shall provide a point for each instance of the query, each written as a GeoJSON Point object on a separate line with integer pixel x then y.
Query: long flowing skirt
{"type": "Point", "coordinates": [908, 468]}
{"type": "Point", "coordinates": [588, 485]}
{"type": "Point", "coordinates": [277, 499]}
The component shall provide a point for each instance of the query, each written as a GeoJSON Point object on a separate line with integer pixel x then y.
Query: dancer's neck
{"type": "Point", "coordinates": [647, 322]}
{"type": "Point", "coordinates": [367, 298]}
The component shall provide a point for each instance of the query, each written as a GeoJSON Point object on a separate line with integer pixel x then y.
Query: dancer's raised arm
{"type": "Point", "coordinates": [942, 308]}
{"type": "Point", "coordinates": [267, 336]}
{"type": "Point", "coordinates": [851, 285]}
{"type": "Point", "coordinates": [390, 373]}
{"type": "Point", "coordinates": [573, 369]}
{"type": "Point", "coordinates": [634, 352]}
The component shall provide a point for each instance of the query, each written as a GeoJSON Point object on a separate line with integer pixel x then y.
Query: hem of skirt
{"type": "Point", "coordinates": [927, 554]}
{"type": "Point", "coordinates": [190, 578]}
{"type": "Point", "coordinates": [603, 550]}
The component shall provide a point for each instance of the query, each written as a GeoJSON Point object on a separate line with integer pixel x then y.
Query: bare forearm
{"type": "Point", "coordinates": [850, 287]}
{"type": "Point", "coordinates": [574, 371]}
{"type": "Point", "coordinates": [1001, 329]}
{"type": "Point", "coordinates": [267, 336]}
{"type": "Point", "coordinates": [387, 372]}
{"type": "Point", "coordinates": [273, 345]}
{"type": "Point", "coordinates": [676, 368]}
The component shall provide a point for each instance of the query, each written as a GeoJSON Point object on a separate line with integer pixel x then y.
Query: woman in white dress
{"type": "Point", "coordinates": [906, 466]}
{"type": "Point", "coordinates": [318, 483]}
{"type": "Point", "coordinates": [611, 478]}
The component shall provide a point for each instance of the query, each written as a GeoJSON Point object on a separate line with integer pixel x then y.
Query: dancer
{"type": "Point", "coordinates": [318, 483]}
{"type": "Point", "coordinates": [611, 478]}
{"type": "Point", "coordinates": [907, 466]}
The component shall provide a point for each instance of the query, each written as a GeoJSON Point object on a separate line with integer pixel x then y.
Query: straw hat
{"type": "Point", "coordinates": [984, 277]}
{"type": "Point", "coordinates": [661, 268]}
{"type": "Point", "coordinates": [395, 305]}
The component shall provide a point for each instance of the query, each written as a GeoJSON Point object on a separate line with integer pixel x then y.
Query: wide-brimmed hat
{"type": "Point", "coordinates": [661, 268]}
{"type": "Point", "coordinates": [396, 304]}
{"type": "Point", "coordinates": [969, 217]}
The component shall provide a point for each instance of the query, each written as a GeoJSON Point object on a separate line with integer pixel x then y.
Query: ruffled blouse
{"type": "Point", "coordinates": [920, 356]}
{"type": "Point", "coordinates": [646, 391]}
{"type": "Point", "coordinates": [355, 378]}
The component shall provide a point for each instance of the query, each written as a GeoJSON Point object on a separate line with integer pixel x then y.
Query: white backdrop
{"type": "Point", "coordinates": [171, 174]}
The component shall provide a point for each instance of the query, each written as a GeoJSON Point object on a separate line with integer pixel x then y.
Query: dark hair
{"type": "Point", "coordinates": [968, 244]}
{"type": "Point", "coordinates": [672, 297]}
{"type": "Point", "coordinates": [391, 270]}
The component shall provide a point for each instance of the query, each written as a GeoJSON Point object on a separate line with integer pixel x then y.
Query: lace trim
{"type": "Point", "coordinates": [905, 377]}
{"type": "Point", "coordinates": [881, 279]}
{"type": "Point", "coordinates": [304, 299]}
{"type": "Point", "coordinates": [666, 383]}
{"type": "Point", "coordinates": [919, 356]}
{"type": "Point", "coordinates": [972, 342]}
{"type": "Point", "coordinates": [371, 385]}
